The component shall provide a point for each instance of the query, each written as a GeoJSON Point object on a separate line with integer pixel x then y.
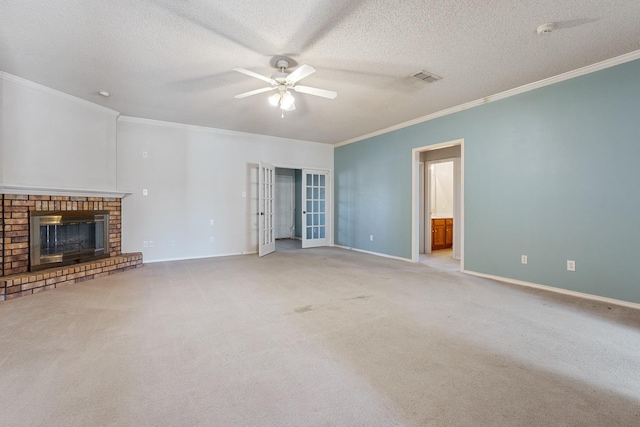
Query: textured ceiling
{"type": "Point", "coordinates": [172, 59]}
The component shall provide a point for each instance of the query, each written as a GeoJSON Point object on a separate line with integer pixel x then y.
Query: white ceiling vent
{"type": "Point", "coordinates": [426, 76]}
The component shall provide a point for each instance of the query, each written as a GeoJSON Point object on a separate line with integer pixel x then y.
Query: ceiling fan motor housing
{"type": "Point", "coordinates": [280, 77]}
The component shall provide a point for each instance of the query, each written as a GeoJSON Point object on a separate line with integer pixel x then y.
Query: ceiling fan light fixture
{"type": "Point", "coordinates": [290, 107]}
{"type": "Point", "coordinates": [288, 101]}
{"type": "Point", "coordinates": [275, 99]}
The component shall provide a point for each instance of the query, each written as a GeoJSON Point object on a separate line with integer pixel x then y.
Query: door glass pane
{"type": "Point", "coordinates": [315, 206]}
{"type": "Point", "coordinates": [315, 193]}
{"type": "Point", "coordinates": [309, 236]}
{"type": "Point", "coordinates": [321, 206]}
{"type": "Point", "coordinates": [322, 232]}
{"type": "Point", "coordinates": [322, 180]}
{"type": "Point", "coordinates": [315, 219]}
{"type": "Point", "coordinates": [309, 206]}
{"type": "Point", "coordinates": [322, 219]}
{"type": "Point", "coordinates": [308, 179]}
{"type": "Point", "coordinates": [315, 180]}
{"type": "Point", "coordinates": [309, 219]}
{"type": "Point", "coordinates": [315, 232]}
{"type": "Point", "coordinates": [322, 192]}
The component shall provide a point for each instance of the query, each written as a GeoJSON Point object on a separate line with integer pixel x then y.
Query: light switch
{"type": "Point", "coordinates": [145, 192]}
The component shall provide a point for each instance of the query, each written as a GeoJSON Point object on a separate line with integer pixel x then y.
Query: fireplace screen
{"type": "Point", "coordinates": [59, 238]}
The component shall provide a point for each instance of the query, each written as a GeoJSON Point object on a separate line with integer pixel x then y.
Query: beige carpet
{"type": "Point", "coordinates": [317, 337]}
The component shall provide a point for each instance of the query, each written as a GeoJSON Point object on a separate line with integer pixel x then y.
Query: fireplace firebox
{"type": "Point", "coordinates": [67, 237]}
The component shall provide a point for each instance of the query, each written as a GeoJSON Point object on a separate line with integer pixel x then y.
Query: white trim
{"type": "Point", "coordinates": [415, 197]}
{"type": "Point", "coordinates": [207, 129]}
{"type": "Point", "coordinates": [196, 257]}
{"type": "Point", "coordinates": [73, 192]}
{"type": "Point", "coordinates": [556, 290]}
{"type": "Point", "coordinates": [373, 253]}
{"type": "Point", "coordinates": [628, 57]}
{"type": "Point", "coordinates": [44, 89]}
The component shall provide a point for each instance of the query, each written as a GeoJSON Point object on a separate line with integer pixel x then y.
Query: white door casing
{"type": "Point", "coordinates": [458, 220]}
{"type": "Point", "coordinates": [316, 227]}
{"type": "Point", "coordinates": [266, 237]}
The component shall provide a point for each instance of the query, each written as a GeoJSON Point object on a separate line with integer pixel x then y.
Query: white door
{"type": "Point", "coordinates": [266, 241]}
{"type": "Point", "coordinates": [315, 198]}
{"type": "Point", "coordinates": [284, 200]}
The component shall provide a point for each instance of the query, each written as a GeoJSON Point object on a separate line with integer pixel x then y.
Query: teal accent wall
{"type": "Point", "coordinates": [552, 173]}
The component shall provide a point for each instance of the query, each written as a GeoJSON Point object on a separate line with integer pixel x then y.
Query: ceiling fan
{"type": "Point", "coordinates": [283, 82]}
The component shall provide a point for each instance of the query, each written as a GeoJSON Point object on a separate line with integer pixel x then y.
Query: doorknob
{"type": "Point", "coordinates": [304, 212]}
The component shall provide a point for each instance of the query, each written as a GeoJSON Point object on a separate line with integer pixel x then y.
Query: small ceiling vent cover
{"type": "Point", "coordinates": [426, 76]}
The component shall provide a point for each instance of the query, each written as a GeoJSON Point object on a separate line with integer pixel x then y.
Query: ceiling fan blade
{"type": "Point", "coordinates": [300, 73]}
{"type": "Point", "coordinates": [315, 91]}
{"type": "Point", "coordinates": [255, 92]}
{"type": "Point", "coordinates": [256, 75]}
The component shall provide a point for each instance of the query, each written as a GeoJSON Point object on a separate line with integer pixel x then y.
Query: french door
{"type": "Point", "coordinates": [266, 236]}
{"type": "Point", "coordinates": [315, 198]}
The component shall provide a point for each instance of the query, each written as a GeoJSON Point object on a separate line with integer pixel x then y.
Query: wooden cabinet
{"type": "Point", "coordinates": [441, 233]}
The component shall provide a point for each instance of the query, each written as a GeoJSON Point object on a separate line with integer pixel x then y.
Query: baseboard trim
{"type": "Point", "coordinates": [373, 253]}
{"type": "Point", "coordinates": [556, 290]}
{"type": "Point", "coordinates": [197, 257]}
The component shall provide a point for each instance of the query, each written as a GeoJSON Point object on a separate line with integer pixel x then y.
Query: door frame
{"type": "Point", "coordinates": [330, 209]}
{"type": "Point", "coordinates": [415, 199]}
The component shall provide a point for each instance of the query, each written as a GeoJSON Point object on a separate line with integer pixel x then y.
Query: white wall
{"type": "Point", "coordinates": [195, 174]}
{"type": "Point", "coordinates": [53, 140]}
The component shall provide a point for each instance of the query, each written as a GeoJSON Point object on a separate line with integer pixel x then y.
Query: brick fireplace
{"type": "Point", "coordinates": [15, 210]}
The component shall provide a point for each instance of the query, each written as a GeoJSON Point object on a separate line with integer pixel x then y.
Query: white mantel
{"type": "Point", "coordinates": [72, 192]}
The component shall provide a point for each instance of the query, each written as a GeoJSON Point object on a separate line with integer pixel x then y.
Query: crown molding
{"type": "Point", "coordinates": [44, 89]}
{"type": "Point", "coordinates": [48, 191]}
{"type": "Point", "coordinates": [628, 57]}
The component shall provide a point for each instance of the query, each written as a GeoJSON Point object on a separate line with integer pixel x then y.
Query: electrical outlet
{"type": "Point", "coordinates": [145, 192]}
{"type": "Point", "coordinates": [210, 222]}
{"type": "Point", "coordinates": [211, 240]}
{"type": "Point", "coordinates": [145, 244]}
{"type": "Point", "coordinates": [571, 265]}
{"type": "Point", "coordinates": [524, 259]}
{"type": "Point", "coordinates": [150, 243]}
{"type": "Point", "coordinates": [371, 237]}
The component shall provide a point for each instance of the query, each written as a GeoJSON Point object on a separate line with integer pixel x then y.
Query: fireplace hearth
{"type": "Point", "coordinates": [84, 243]}
{"type": "Point", "coordinates": [60, 238]}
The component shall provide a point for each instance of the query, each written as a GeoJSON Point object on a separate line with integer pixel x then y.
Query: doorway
{"type": "Point", "coordinates": [287, 209]}
{"type": "Point", "coordinates": [437, 205]}
{"type": "Point", "coordinates": [295, 212]}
